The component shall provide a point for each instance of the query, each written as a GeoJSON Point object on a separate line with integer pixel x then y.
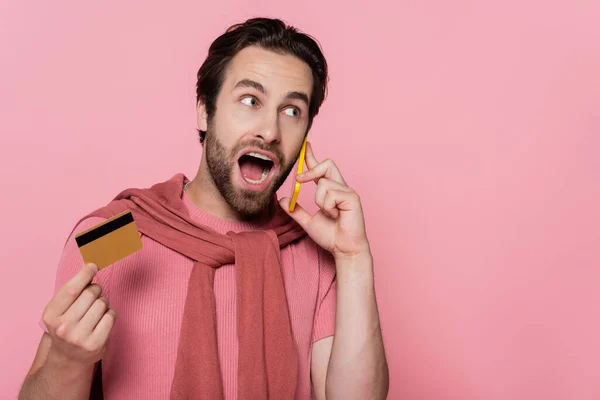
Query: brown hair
{"type": "Point", "coordinates": [269, 34]}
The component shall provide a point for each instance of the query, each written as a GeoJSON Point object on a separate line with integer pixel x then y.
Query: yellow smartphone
{"type": "Point", "coordinates": [299, 170]}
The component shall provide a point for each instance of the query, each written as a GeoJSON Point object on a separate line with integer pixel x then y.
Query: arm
{"type": "Point", "coordinates": [78, 323]}
{"type": "Point", "coordinates": [75, 323]}
{"type": "Point", "coordinates": [354, 361]}
{"type": "Point", "coordinates": [352, 364]}
{"type": "Point", "coordinates": [357, 366]}
{"type": "Point", "coordinates": [48, 379]}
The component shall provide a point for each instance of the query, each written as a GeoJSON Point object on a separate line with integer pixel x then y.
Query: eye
{"type": "Point", "coordinates": [249, 101]}
{"type": "Point", "coordinates": [292, 112]}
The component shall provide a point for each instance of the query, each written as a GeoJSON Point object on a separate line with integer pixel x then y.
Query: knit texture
{"type": "Point", "coordinates": [148, 292]}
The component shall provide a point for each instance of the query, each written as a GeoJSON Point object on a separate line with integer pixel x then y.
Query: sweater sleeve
{"type": "Point", "coordinates": [324, 323]}
{"type": "Point", "coordinates": [71, 262]}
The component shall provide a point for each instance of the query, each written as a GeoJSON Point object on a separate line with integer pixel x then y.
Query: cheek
{"type": "Point", "coordinates": [230, 125]}
{"type": "Point", "coordinates": [293, 131]}
{"type": "Point", "coordinates": [240, 115]}
{"type": "Point", "coordinates": [292, 149]}
{"type": "Point", "coordinates": [240, 122]}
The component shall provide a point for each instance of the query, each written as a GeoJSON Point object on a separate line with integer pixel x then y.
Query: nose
{"type": "Point", "coordinates": [269, 130]}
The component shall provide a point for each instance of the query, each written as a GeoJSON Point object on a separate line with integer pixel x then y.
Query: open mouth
{"type": "Point", "coordinates": [255, 167]}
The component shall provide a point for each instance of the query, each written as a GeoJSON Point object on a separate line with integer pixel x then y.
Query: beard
{"type": "Point", "coordinates": [221, 164]}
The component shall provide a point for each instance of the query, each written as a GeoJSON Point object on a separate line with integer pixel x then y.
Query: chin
{"type": "Point", "coordinates": [251, 204]}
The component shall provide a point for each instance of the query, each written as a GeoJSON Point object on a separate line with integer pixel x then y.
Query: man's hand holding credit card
{"type": "Point", "coordinates": [78, 318]}
{"type": "Point", "coordinates": [78, 323]}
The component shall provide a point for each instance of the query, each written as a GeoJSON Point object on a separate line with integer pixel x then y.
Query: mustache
{"type": "Point", "coordinates": [262, 146]}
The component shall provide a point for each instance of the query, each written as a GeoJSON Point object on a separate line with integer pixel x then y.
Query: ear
{"type": "Point", "coordinates": [201, 116]}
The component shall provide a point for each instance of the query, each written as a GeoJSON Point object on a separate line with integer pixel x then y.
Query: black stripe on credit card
{"type": "Point", "coordinates": [104, 230]}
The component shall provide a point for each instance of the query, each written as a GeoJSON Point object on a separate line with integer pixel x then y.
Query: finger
{"type": "Point", "coordinates": [342, 200]}
{"type": "Point", "coordinates": [71, 290]}
{"type": "Point", "coordinates": [325, 185]}
{"type": "Point", "coordinates": [93, 316]}
{"type": "Point", "coordinates": [326, 169]}
{"type": "Point", "coordinates": [330, 204]}
{"type": "Point", "coordinates": [300, 215]}
{"type": "Point", "coordinates": [83, 303]}
{"type": "Point", "coordinates": [328, 184]}
{"type": "Point", "coordinates": [100, 333]}
{"type": "Point", "coordinates": [309, 156]}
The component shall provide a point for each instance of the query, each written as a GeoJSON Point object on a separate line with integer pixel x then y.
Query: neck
{"type": "Point", "coordinates": [205, 195]}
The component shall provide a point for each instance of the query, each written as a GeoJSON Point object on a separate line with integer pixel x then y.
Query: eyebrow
{"type": "Point", "coordinates": [298, 96]}
{"type": "Point", "coordinates": [248, 83]}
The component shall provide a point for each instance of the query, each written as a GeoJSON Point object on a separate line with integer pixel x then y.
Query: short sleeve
{"type": "Point", "coordinates": [324, 322]}
{"type": "Point", "coordinates": [71, 262]}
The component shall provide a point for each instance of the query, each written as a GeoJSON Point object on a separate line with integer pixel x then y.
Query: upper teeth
{"type": "Point", "coordinates": [261, 156]}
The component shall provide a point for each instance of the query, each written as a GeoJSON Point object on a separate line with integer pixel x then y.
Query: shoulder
{"type": "Point", "coordinates": [82, 225]}
{"type": "Point", "coordinates": [86, 223]}
{"type": "Point", "coordinates": [96, 217]}
{"type": "Point", "coordinates": [71, 260]}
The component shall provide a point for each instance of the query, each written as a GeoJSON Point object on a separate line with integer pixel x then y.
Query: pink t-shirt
{"type": "Point", "coordinates": [147, 290]}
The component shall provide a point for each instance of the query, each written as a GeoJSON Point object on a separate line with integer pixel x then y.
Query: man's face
{"type": "Point", "coordinates": [255, 135]}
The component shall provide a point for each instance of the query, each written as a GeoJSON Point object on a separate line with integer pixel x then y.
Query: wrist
{"type": "Point", "coordinates": [355, 266]}
{"type": "Point", "coordinates": [361, 251]}
{"type": "Point", "coordinates": [355, 259]}
{"type": "Point", "coordinates": [68, 369]}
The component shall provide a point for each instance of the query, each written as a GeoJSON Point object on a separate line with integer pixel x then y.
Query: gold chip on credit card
{"type": "Point", "coordinates": [110, 241]}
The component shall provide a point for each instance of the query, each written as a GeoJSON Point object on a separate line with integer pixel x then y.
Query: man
{"type": "Point", "coordinates": [232, 296]}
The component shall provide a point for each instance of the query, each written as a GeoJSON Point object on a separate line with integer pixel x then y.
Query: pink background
{"type": "Point", "coordinates": [477, 134]}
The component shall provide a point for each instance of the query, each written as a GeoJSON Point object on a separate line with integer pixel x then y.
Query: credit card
{"type": "Point", "coordinates": [110, 241]}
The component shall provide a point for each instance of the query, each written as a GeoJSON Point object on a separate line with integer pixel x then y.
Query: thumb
{"type": "Point", "coordinates": [300, 215]}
